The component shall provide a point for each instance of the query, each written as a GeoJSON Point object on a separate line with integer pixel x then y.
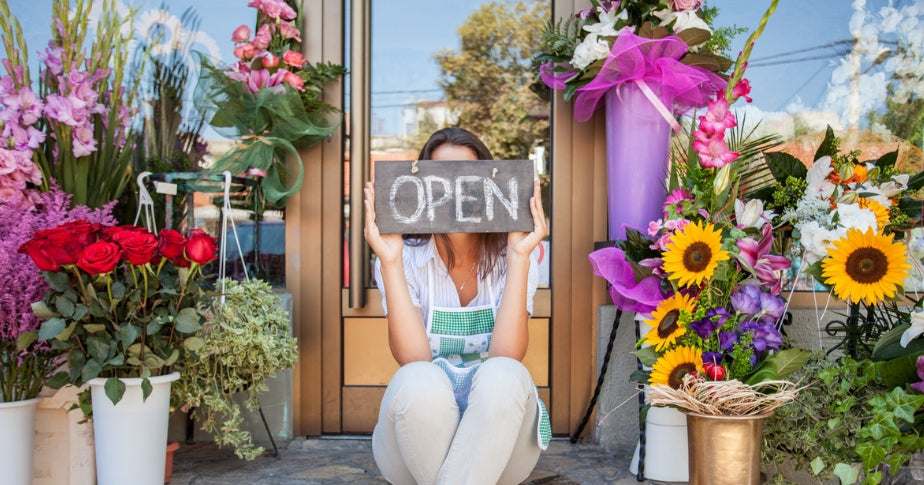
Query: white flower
{"type": "Point", "coordinates": [816, 178]}
{"type": "Point", "coordinates": [894, 186]}
{"type": "Point", "coordinates": [686, 19]}
{"type": "Point", "coordinates": [606, 27]}
{"type": "Point", "coordinates": [851, 216]}
{"type": "Point", "coordinates": [816, 240]}
{"type": "Point", "coordinates": [750, 214]}
{"type": "Point", "coordinates": [916, 328]}
{"type": "Point", "coordinates": [590, 50]}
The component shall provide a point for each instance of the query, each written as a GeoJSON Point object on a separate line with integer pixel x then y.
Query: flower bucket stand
{"type": "Point", "coordinates": [63, 451]}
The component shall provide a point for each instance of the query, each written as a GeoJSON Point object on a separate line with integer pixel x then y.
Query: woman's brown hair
{"type": "Point", "coordinates": [492, 244]}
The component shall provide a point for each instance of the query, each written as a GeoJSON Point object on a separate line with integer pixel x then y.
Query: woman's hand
{"type": "Point", "coordinates": [523, 243]}
{"type": "Point", "coordinates": [387, 247]}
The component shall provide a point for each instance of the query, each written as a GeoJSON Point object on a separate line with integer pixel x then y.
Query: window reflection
{"type": "Point", "coordinates": [467, 65]}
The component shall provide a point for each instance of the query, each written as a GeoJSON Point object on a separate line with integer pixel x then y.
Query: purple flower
{"type": "Point", "coordinates": [747, 300]}
{"type": "Point", "coordinates": [714, 357]}
{"type": "Point", "coordinates": [674, 202]}
{"type": "Point", "coordinates": [714, 319]}
{"type": "Point", "coordinates": [919, 386]}
{"type": "Point", "coordinates": [771, 308]}
{"type": "Point", "coordinates": [727, 341]}
{"type": "Point", "coordinates": [52, 58]}
{"type": "Point", "coordinates": [84, 141]}
{"type": "Point", "coordinates": [67, 110]}
{"type": "Point", "coordinates": [763, 336]}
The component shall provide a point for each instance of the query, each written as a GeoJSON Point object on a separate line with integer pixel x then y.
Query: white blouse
{"type": "Point", "coordinates": [419, 259]}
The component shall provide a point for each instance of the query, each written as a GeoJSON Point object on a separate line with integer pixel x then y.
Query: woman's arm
{"type": "Point", "coordinates": [511, 330]}
{"type": "Point", "coordinates": [407, 335]}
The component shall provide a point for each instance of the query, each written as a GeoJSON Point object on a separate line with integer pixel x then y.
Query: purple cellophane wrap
{"type": "Point", "coordinates": [655, 62]}
{"type": "Point", "coordinates": [627, 294]}
{"type": "Point", "coordinates": [637, 152]}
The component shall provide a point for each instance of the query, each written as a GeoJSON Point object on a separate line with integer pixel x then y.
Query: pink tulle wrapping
{"type": "Point", "coordinates": [655, 62]}
{"type": "Point", "coordinates": [627, 294]}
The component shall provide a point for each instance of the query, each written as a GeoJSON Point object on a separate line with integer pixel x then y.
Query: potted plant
{"type": "Point", "coordinates": [121, 306]}
{"type": "Point", "coordinates": [862, 427]}
{"type": "Point", "coordinates": [246, 339]}
{"type": "Point", "coordinates": [26, 364]}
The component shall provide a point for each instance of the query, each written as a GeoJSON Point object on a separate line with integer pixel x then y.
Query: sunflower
{"type": "Point", "coordinates": [865, 266]}
{"type": "Point", "coordinates": [671, 367]}
{"type": "Point", "coordinates": [693, 253]}
{"type": "Point", "coordinates": [665, 321]}
{"type": "Point", "coordinates": [881, 211]}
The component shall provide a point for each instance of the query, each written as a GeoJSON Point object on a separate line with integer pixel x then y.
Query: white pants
{"type": "Point", "coordinates": [420, 438]}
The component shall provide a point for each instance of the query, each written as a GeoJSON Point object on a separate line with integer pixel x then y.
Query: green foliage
{"type": "Point", "coordinates": [245, 340]}
{"type": "Point", "coordinates": [848, 415]}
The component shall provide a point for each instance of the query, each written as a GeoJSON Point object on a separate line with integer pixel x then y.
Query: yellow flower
{"type": "Point", "coordinates": [671, 367]}
{"type": "Point", "coordinates": [665, 321]}
{"type": "Point", "coordinates": [693, 254]}
{"type": "Point", "coordinates": [881, 211]}
{"type": "Point", "coordinates": [865, 266]}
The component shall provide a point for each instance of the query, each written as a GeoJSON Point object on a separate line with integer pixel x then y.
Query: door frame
{"type": "Point", "coordinates": [314, 244]}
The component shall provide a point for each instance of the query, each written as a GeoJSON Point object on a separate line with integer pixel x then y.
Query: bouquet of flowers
{"type": "Point", "coordinates": [270, 100]}
{"type": "Point", "coordinates": [26, 364]}
{"type": "Point", "coordinates": [844, 215]}
{"type": "Point", "coordinates": [122, 301]}
{"type": "Point", "coordinates": [705, 279]}
{"type": "Point", "coordinates": [666, 46]}
{"type": "Point", "coordinates": [76, 127]}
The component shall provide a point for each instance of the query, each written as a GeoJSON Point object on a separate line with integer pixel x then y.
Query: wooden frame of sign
{"type": "Point", "coordinates": [430, 197]}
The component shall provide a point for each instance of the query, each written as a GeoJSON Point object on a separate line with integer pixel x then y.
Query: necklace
{"type": "Point", "coordinates": [470, 272]}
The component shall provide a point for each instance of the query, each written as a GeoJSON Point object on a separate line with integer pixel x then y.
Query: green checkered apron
{"type": "Point", "coordinates": [459, 341]}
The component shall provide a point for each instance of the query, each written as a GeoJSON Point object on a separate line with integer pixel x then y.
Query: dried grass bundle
{"type": "Point", "coordinates": [725, 398]}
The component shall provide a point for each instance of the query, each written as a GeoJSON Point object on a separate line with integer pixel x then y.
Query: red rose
{"type": "Point", "coordinates": [59, 245]}
{"type": "Point", "coordinates": [83, 231]}
{"type": "Point", "coordinates": [42, 254]}
{"type": "Point", "coordinates": [200, 247]}
{"type": "Point", "coordinates": [139, 246]}
{"type": "Point", "coordinates": [171, 244]}
{"type": "Point", "coordinates": [99, 257]}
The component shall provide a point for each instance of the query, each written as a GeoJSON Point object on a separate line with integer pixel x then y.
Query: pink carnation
{"type": "Point", "coordinates": [288, 31]}
{"type": "Point", "coordinates": [294, 59]}
{"type": "Point", "coordinates": [241, 34]}
{"type": "Point", "coordinates": [263, 38]}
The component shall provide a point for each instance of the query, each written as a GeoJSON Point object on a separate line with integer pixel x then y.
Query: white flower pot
{"type": "Point", "coordinates": [131, 436]}
{"type": "Point", "coordinates": [17, 428]}
{"type": "Point", "coordinates": [666, 451]}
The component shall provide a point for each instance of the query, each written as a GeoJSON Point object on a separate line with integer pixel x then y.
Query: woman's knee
{"type": "Point", "coordinates": [505, 375]}
{"type": "Point", "coordinates": [419, 383]}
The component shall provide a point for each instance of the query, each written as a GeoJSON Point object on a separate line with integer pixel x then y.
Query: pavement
{"type": "Point", "coordinates": [348, 460]}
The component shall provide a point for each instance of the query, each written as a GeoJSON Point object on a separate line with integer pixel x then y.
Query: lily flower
{"type": "Point", "coordinates": [755, 257]}
{"type": "Point", "coordinates": [916, 329]}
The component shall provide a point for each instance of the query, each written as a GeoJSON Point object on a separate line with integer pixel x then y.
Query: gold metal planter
{"type": "Point", "coordinates": [724, 450]}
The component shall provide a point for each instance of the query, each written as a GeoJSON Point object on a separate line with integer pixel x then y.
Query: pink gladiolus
{"type": "Point", "coordinates": [717, 118]}
{"type": "Point", "coordinates": [241, 34]}
{"type": "Point", "coordinates": [288, 31]}
{"type": "Point", "coordinates": [84, 142]}
{"type": "Point", "coordinates": [67, 110]}
{"type": "Point", "coordinates": [742, 89]}
{"type": "Point", "coordinates": [294, 59]}
{"type": "Point", "coordinates": [713, 152]}
{"type": "Point", "coordinates": [263, 38]}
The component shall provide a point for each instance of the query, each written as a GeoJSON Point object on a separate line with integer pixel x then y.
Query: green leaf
{"type": "Point", "coordinates": [817, 465]}
{"type": "Point", "coordinates": [94, 327]}
{"type": "Point", "coordinates": [90, 370]}
{"type": "Point", "coordinates": [639, 375]}
{"type": "Point", "coordinates": [98, 347]}
{"type": "Point", "coordinates": [828, 146]}
{"type": "Point", "coordinates": [193, 344]}
{"type": "Point", "coordinates": [846, 473]}
{"type": "Point", "coordinates": [42, 310]}
{"type": "Point", "coordinates": [870, 453]}
{"type": "Point", "coordinates": [64, 306]}
{"type": "Point", "coordinates": [25, 339]}
{"type": "Point", "coordinates": [187, 321]}
{"type": "Point", "coordinates": [58, 380]}
{"type": "Point", "coordinates": [783, 165]}
{"type": "Point", "coordinates": [887, 160]}
{"type": "Point", "coordinates": [51, 328]}
{"type": "Point", "coordinates": [129, 334]}
{"type": "Point", "coordinates": [118, 290]}
{"type": "Point", "coordinates": [174, 356]}
{"type": "Point", "coordinates": [58, 280]}
{"type": "Point", "coordinates": [789, 360]}
{"type": "Point", "coordinates": [115, 389]}
{"type": "Point", "coordinates": [899, 371]}
{"type": "Point", "coordinates": [694, 36]}
{"type": "Point", "coordinates": [646, 355]}
{"type": "Point", "coordinates": [146, 389]}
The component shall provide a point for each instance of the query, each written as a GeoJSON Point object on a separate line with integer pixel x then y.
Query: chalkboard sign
{"type": "Point", "coordinates": [429, 197]}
